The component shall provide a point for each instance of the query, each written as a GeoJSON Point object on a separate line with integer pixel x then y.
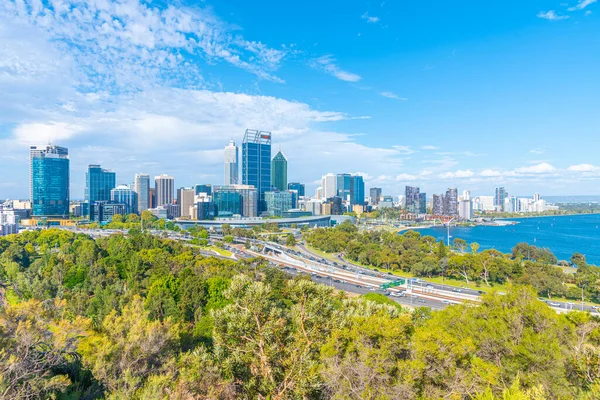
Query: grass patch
{"type": "Point", "coordinates": [222, 252]}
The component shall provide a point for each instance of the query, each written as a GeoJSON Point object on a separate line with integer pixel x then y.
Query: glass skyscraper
{"type": "Point", "coordinates": [98, 183]}
{"type": "Point", "coordinates": [123, 194]}
{"type": "Point", "coordinates": [227, 201]}
{"type": "Point", "coordinates": [298, 187]}
{"type": "Point", "coordinates": [357, 190]}
{"type": "Point", "coordinates": [256, 163]}
{"type": "Point", "coordinates": [142, 188]}
{"type": "Point", "coordinates": [49, 181]}
{"type": "Point", "coordinates": [279, 172]}
{"type": "Point", "coordinates": [413, 205]}
{"type": "Point", "coordinates": [278, 202]}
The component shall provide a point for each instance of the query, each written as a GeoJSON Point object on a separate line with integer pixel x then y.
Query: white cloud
{"type": "Point", "coordinates": [428, 147]}
{"type": "Point", "coordinates": [582, 4]}
{"type": "Point", "coordinates": [490, 173]}
{"type": "Point", "coordinates": [460, 174]}
{"type": "Point", "coordinates": [370, 19]}
{"type": "Point", "coordinates": [391, 95]}
{"type": "Point", "coordinates": [583, 168]}
{"type": "Point", "coordinates": [588, 13]}
{"type": "Point", "coordinates": [42, 133]}
{"type": "Point", "coordinates": [551, 16]}
{"type": "Point", "coordinates": [327, 64]}
{"type": "Point", "coordinates": [536, 151]}
{"type": "Point", "coordinates": [542, 168]}
{"type": "Point", "coordinates": [406, 177]}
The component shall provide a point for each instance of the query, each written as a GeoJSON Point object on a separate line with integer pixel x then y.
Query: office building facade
{"type": "Point", "coordinates": [412, 199]}
{"type": "Point", "coordinates": [206, 189]}
{"type": "Point", "coordinates": [500, 197]}
{"type": "Point", "coordinates": [125, 195]}
{"type": "Point", "coordinates": [98, 183]}
{"type": "Point", "coordinates": [231, 172]}
{"type": "Point", "coordinates": [185, 199]}
{"type": "Point", "coordinates": [437, 204]}
{"type": "Point", "coordinates": [422, 203]}
{"type": "Point", "coordinates": [49, 181]}
{"type": "Point", "coordinates": [328, 186]}
{"type": "Point", "coordinates": [279, 172]}
{"type": "Point", "coordinates": [357, 190]}
{"type": "Point", "coordinates": [451, 203]}
{"type": "Point", "coordinates": [165, 189]}
{"type": "Point", "coordinates": [278, 202]}
{"type": "Point", "coordinates": [103, 211]}
{"type": "Point", "coordinates": [298, 187]}
{"type": "Point", "coordinates": [141, 185]}
{"type": "Point", "coordinates": [375, 195]}
{"type": "Point", "coordinates": [256, 163]}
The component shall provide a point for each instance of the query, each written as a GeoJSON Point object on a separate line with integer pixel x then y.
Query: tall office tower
{"type": "Point", "coordinates": [206, 188]}
{"type": "Point", "coordinates": [49, 181]}
{"type": "Point", "coordinates": [451, 203]}
{"type": "Point", "coordinates": [231, 164]}
{"type": "Point", "coordinates": [152, 197]}
{"type": "Point", "coordinates": [536, 197]}
{"type": "Point", "coordinates": [141, 186]}
{"type": "Point", "coordinates": [501, 195]}
{"type": "Point", "coordinates": [343, 182]}
{"type": "Point", "coordinates": [298, 187]}
{"type": "Point", "coordinates": [357, 190]}
{"type": "Point", "coordinates": [375, 195]}
{"type": "Point", "coordinates": [185, 198]}
{"type": "Point", "coordinates": [437, 206]}
{"type": "Point", "coordinates": [412, 200]}
{"type": "Point", "coordinates": [279, 172]}
{"type": "Point", "coordinates": [125, 195]}
{"type": "Point", "coordinates": [98, 183]}
{"type": "Point", "coordinates": [256, 163]}
{"type": "Point", "coordinates": [278, 202]}
{"type": "Point", "coordinates": [422, 203]}
{"type": "Point", "coordinates": [329, 186]}
{"type": "Point", "coordinates": [165, 189]}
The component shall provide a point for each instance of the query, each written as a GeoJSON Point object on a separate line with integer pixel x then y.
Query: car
{"type": "Point", "coordinates": [457, 290]}
{"type": "Point", "coordinates": [389, 273]}
{"type": "Point", "coordinates": [446, 302]}
{"type": "Point", "coordinates": [429, 286]}
{"type": "Point", "coordinates": [553, 304]}
{"type": "Point", "coordinates": [422, 300]}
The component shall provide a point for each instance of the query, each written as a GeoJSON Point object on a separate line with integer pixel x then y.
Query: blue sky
{"type": "Point", "coordinates": [431, 94]}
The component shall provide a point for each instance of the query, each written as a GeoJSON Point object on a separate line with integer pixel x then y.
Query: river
{"type": "Point", "coordinates": [563, 235]}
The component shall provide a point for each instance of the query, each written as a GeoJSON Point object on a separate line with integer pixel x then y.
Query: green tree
{"type": "Point", "coordinates": [290, 241]}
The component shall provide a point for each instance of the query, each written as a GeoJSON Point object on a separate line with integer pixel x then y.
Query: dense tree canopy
{"type": "Point", "coordinates": [140, 317]}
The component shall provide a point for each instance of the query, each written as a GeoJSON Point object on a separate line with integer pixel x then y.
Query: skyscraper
{"type": "Point", "coordinates": [343, 182]}
{"type": "Point", "coordinates": [451, 203]}
{"type": "Point", "coordinates": [49, 181]}
{"type": "Point", "coordinates": [357, 190]}
{"type": "Point", "coordinates": [279, 172]}
{"type": "Point", "coordinates": [256, 163]}
{"type": "Point", "coordinates": [501, 195]}
{"type": "Point", "coordinates": [125, 195]}
{"type": "Point", "coordinates": [298, 187]}
{"type": "Point", "coordinates": [437, 205]}
{"type": "Point", "coordinates": [422, 203]}
{"type": "Point", "coordinates": [278, 202]}
{"type": "Point", "coordinates": [231, 164]}
{"type": "Point", "coordinates": [141, 186]}
{"type": "Point", "coordinates": [98, 183]}
{"type": "Point", "coordinates": [165, 189]}
{"type": "Point", "coordinates": [329, 186]}
{"type": "Point", "coordinates": [412, 199]}
{"type": "Point", "coordinates": [205, 188]}
{"type": "Point", "coordinates": [185, 199]}
{"type": "Point", "coordinates": [375, 195]}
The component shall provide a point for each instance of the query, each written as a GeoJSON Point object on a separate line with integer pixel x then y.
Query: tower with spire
{"type": "Point", "coordinates": [279, 171]}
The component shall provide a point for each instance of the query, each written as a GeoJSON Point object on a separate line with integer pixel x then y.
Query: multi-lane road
{"type": "Point", "coordinates": [344, 275]}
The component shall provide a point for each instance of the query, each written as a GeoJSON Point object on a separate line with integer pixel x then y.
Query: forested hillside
{"type": "Point", "coordinates": [138, 317]}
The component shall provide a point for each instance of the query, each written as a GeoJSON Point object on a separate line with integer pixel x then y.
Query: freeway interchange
{"type": "Point", "coordinates": [342, 274]}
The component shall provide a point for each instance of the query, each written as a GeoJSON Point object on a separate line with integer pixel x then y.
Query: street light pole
{"type": "Point", "coordinates": [448, 226]}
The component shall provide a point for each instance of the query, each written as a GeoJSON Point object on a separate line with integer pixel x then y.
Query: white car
{"type": "Point", "coordinates": [553, 304]}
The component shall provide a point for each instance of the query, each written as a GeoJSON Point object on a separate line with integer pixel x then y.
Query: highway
{"type": "Point", "coordinates": [342, 274]}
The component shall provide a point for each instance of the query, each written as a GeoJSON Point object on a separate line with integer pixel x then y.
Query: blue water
{"type": "Point", "coordinates": [563, 235]}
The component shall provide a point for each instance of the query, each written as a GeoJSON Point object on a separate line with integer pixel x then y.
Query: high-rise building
{"type": "Point", "coordinates": [98, 183]}
{"type": "Point", "coordinates": [465, 209]}
{"type": "Point", "coordinates": [185, 199]}
{"type": "Point", "coordinates": [329, 186]}
{"type": "Point", "coordinates": [205, 209]}
{"type": "Point", "coordinates": [422, 203]}
{"type": "Point", "coordinates": [412, 200]}
{"type": "Point", "coordinates": [141, 186]}
{"type": "Point", "coordinates": [152, 198]}
{"type": "Point", "coordinates": [298, 187]}
{"type": "Point", "coordinates": [227, 204]}
{"type": "Point", "coordinates": [103, 211]}
{"type": "Point", "coordinates": [165, 189]}
{"type": "Point", "coordinates": [343, 183]}
{"type": "Point", "coordinates": [336, 205]}
{"type": "Point", "coordinates": [279, 172]}
{"type": "Point", "coordinates": [375, 195]}
{"type": "Point", "coordinates": [231, 164]}
{"type": "Point", "coordinates": [451, 203]}
{"type": "Point", "coordinates": [206, 188]}
{"type": "Point", "coordinates": [501, 195]}
{"type": "Point", "coordinates": [278, 202]}
{"type": "Point", "coordinates": [125, 195]}
{"type": "Point", "coordinates": [49, 181]}
{"type": "Point", "coordinates": [357, 190]}
{"type": "Point", "coordinates": [256, 163]}
{"type": "Point", "coordinates": [437, 205]}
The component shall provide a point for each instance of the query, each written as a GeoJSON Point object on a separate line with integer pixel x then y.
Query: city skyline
{"type": "Point", "coordinates": [398, 96]}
